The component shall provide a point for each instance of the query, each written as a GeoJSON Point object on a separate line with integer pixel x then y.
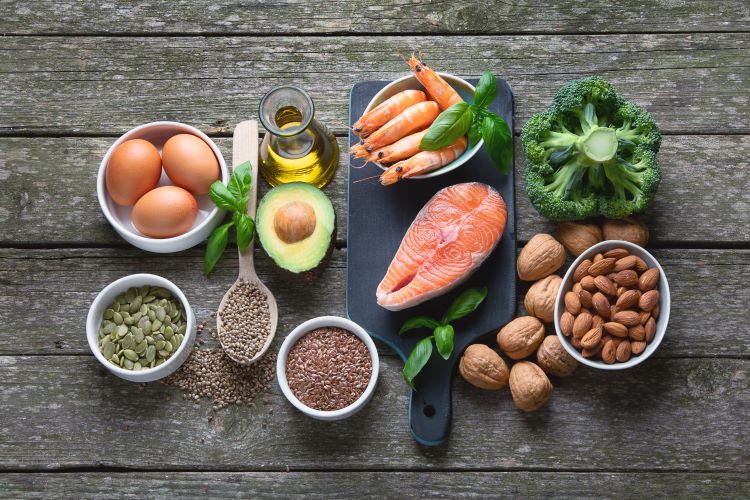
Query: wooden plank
{"type": "Point", "coordinates": [42, 175]}
{"type": "Point", "coordinates": [666, 415]}
{"type": "Point", "coordinates": [375, 485]}
{"type": "Point", "coordinates": [36, 283]}
{"type": "Point", "coordinates": [337, 16]}
{"type": "Point", "coordinates": [95, 85]}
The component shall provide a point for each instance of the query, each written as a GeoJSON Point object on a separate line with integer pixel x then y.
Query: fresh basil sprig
{"type": "Point", "coordinates": [442, 332]}
{"type": "Point", "coordinates": [233, 198]}
{"type": "Point", "coordinates": [478, 122]}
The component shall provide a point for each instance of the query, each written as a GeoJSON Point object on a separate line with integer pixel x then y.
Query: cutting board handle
{"type": "Point", "coordinates": [430, 405]}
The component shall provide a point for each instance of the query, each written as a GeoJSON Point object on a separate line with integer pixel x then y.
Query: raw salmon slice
{"type": "Point", "coordinates": [450, 237]}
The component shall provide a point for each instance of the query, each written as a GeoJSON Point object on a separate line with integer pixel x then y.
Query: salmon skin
{"type": "Point", "coordinates": [449, 239]}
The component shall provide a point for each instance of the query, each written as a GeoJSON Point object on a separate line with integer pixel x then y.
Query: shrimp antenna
{"type": "Point", "coordinates": [403, 58]}
{"type": "Point", "coordinates": [366, 179]}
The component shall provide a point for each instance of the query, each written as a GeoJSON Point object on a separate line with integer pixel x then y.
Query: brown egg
{"type": "Point", "coordinates": [133, 169]}
{"type": "Point", "coordinates": [190, 163]}
{"type": "Point", "coordinates": [165, 212]}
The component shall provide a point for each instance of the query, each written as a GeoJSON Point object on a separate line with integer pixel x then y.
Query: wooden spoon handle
{"type": "Point", "coordinates": [245, 148]}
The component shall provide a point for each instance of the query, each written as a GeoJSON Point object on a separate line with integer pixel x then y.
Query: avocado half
{"type": "Point", "coordinates": [296, 225]}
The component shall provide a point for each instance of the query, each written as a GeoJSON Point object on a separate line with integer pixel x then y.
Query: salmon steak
{"type": "Point", "coordinates": [448, 240]}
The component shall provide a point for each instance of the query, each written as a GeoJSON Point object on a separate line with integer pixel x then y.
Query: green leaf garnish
{"type": "Point", "coordinates": [418, 322]}
{"type": "Point", "coordinates": [448, 127]}
{"type": "Point", "coordinates": [444, 340]}
{"type": "Point", "coordinates": [221, 196]}
{"type": "Point", "coordinates": [217, 242]}
{"type": "Point", "coordinates": [465, 304]}
{"type": "Point", "coordinates": [498, 141]}
{"type": "Point", "coordinates": [417, 360]}
{"type": "Point", "coordinates": [245, 230]}
{"type": "Point", "coordinates": [486, 90]}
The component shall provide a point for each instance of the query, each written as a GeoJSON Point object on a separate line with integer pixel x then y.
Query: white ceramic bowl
{"type": "Point", "coordinates": [106, 296]}
{"type": "Point", "coordinates": [301, 330]}
{"type": "Point", "coordinates": [410, 82]}
{"type": "Point", "coordinates": [209, 216]}
{"type": "Point", "coordinates": [664, 305]}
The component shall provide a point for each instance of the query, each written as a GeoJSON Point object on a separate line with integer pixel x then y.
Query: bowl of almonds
{"type": "Point", "coordinates": [613, 306]}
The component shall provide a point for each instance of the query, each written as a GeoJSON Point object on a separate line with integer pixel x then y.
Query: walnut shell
{"type": "Point", "coordinates": [529, 386]}
{"type": "Point", "coordinates": [521, 337]}
{"type": "Point", "coordinates": [554, 359]}
{"type": "Point", "coordinates": [577, 237]}
{"type": "Point", "coordinates": [541, 297]}
{"type": "Point", "coordinates": [542, 256]}
{"type": "Point", "coordinates": [626, 229]}
{"type": "Point", "coordinates": [484, 368]}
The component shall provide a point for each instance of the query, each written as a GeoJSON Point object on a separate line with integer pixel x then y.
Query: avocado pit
{"type": "Point", "coordinates": [294, 222]}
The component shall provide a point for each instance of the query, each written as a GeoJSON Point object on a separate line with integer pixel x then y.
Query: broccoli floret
{"type": "Point", "coordinates": [591, 153]}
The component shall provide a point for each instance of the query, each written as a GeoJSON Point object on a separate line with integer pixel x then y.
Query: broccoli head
{"type": "Point", "coordinates": [591, 153]}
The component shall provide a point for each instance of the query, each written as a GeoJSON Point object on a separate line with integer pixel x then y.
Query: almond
{"type": "Point", "coordinates": [637, 332]}
{"type": "Point", "coordinates": [605, 286]}
{"type": "Point", "coordinates": [590, 353]}
{"type": "Point", "coordinates": [581, 325]}
{"type": "Point", "coordinates": [566, 323]}
{"type": "Point", "coordinates": [613, 310]}
{"type": "Point", "coordinates": [601, 304]}
{"type": "Point", "coordinates": [587, 283]}
{"type": "Point", "coordinates": [609, 352]}
{"type": "Point", "coordinates": [643, 316]}
{"type": "Point", "coordinates": [591, 339]}
{"type": "Point", "coordinates": [582, 270]}
{"type": "Point", "coordinates": [649, 279]}
{"type": "Point", "coordinates": [617, 253]}
{"type": "Point", "coordinates": [576, 342]}
{"type": "Point", "coordinates": [649, 300]}
{"type": "Point", "coordinates": [623, 352]}
{"type": "Point", "coordinates": [625, 263]}
{"type": "Point", "coordinates": [640, 265]}
{"type": "Point", "coordinates": [585, 297]}
{"type": "Point", "coordinates": [655, 312]}
{"type": "Point", "coordinates": [602, 266]}
{"type": "Point", "coordinates": [598, 257]}
{"type": "Point", "coordinates": [627, 318]}
{"type": "Point", "coordinates": [628, 299]}
{"type": "Point", "coordinates": [577, 288]}
{"type": "Point", "coordinates": [572, 303]}
{"type": "Point", "coordinates": [628, 277]}
{"type": "Point", "coordinates": [621, 290]}
{"type": "Point", "coordinates": [637, 347]}
{"type": "Point", "coordinates": [597, 321]}
{"type": "Point", "coordinates": [650, 329]}
{"type": "Point", "coordinates": [616, 329]}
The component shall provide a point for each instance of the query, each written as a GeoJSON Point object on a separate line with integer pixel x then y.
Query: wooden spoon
{"type": "Point", "coordinates": [245, 148]}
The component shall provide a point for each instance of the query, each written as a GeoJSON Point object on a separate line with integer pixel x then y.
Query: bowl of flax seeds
{"type": "Point", "coordinates": [328, 367]}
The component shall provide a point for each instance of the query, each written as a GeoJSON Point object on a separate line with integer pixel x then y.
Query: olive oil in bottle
{"type": "Point", "coordinates": [296, 148]}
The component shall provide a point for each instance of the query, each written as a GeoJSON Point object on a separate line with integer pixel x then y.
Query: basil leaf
{"type": "Point", "coordinates": [475, 133]}
{"type": "Point", "coordinates": [217, 242]}
{"type": "Point", "coordinates": [444, 340]}
{"type": "Point", "coordinates": [418, 322]}
{"type": "Point", "coordinates": [417, 359]}
{"type": "Point", "coordinates": [240, 181]}
{"type": "Point", "coordinates": [451, 124]}
{"type": "Point", "coordinates": [498, 141]}
{"type": "Point", "coordinates": [221, 196]}
{"type": "Point", "coordinates": [245, 229]}
{"type": "Point", "coordinates": [486, 90]}
{"type": "Point", "coordinates": [465, 304]}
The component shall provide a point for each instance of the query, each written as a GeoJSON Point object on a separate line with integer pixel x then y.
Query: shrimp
{"type": "Point", "coordinates": [434, 83]}
{"type": "Point", "coordinates": [413, 118]}
{"type": "Point", "coordinates": [399, 150]}
{"type": "Point", "coordinates": [386, 111]}
{"type": "Point", "coordinates": [423, 162]}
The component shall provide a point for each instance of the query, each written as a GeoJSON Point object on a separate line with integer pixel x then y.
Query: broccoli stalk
{"type": "Point", "coordinates": [591, 153]}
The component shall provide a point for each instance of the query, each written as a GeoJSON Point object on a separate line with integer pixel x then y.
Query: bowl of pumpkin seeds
{"type": "Point", "coordinates": [141, 327]}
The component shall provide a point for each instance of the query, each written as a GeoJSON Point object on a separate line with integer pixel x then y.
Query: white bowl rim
{"type": "Point", "coordinates": [664, 310]}
{"type": "Point", "coordinates": [299, 332]}
{"type": "Point", "coordinates": [101, 190]}
{"type": "Point", "coordinates": [450, 167]}
{"type": "Point", "coordinates": [93, 322]}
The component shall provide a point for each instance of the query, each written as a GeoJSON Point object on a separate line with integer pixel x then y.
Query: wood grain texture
{"type": "Point", "coordinates": [105, 85]}
{"type": "Point", "coordinates": [375, 485]}
{"type": "Point", "coordinates": [703, 283]}
{"type": "Point", "coordinates": [49, 192]}
{"type": "Point", "coordinates": [667, 414]}
{"type": "Point", "coordinates": [337, 16]}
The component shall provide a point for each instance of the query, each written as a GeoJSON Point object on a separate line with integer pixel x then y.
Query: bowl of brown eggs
{"type": "Point", "coordinates": [153, 186]}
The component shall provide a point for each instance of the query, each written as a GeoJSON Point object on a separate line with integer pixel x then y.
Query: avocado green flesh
{"type": "Point", "coordinates": [305, 254]}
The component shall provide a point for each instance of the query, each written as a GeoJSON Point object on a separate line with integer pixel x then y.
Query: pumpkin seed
{"type": "Point", "coordinates": [149, 298]}
{"type": "Point", "coordinates": [143, 291]}
{"type": "Point", "coordinates": [152, 315]}
{"type": "Point", "coordinates": [139, 336]}
{"type": "Point", "coordinates": [109, 326]}
{"type": "Point", "coordinates": [115, 306]}
{"type": "Point", "coordinates": [182, 329]}
{"type": "Point", "coordinates": [136, 366]}
{"type": "Point", "coordinates": [108, 313]}
{"type": "Point", "coordinates": [122, 361]}
{"type": "Point", "coordinates": [108, 349]}
{"type": "Point", "coordinates": [150, 339]}
{"type": "Point", "coordinates": [150, 353]}
{"type": "Point", "coordinates": [168, 332]}
{"type": "Point", "coordinates": [164, 354]}
{"type": "Point", "coordinates": [131, 293]}
{"type": "Point", "coordinates": [141, 348]}
{"type": "Point", "coordinates": [161, 292]}
{"type": "Point", "coordinates": [175, 343]}
{"type": "Point", "coordinates": [144, 309]}
{"type": "Point", "coordinates": [121, 331]}
{"type": "Point", "coordinates": [128, 321]}
{"type": "Point", "coordinates": [155, 325]}
{"type": "Point", "coordinates": [127, 341]}
{"type": "Point", "coordinates": [158, 362]}
{"type": "Point", "coordinates": [130, 354]}
{"type": "Point", "coordinates": [145, 326]}
{"type": "Point", "coordinates": [160, 313]}
{"type": "Point", "coordinates": [117, 318]}
{"type": "Point", "coordinates": [129, 364]}
{"type": "Point", "coordinates": [159, 345]}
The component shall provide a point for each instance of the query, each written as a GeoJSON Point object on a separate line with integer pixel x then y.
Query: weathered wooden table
{"type": "Point", "coordinates": [75, 75]}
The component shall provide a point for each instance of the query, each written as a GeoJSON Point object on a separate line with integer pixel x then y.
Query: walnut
{"type": "Point", "coordinates": [627, 229]}
{"type": "Point", "coordinates": [520, 338]}
{"type": "Point", "coordinates": [577, 237]}
{"type": "Point", "coordinates": [542, 256]}
{"type": "Point", "coordinates": [529, 386]}
{"type": "Point", "coordinates": [554, 359]}
{"type": "Point", "coordinates": [541, 297]}
{"type": "Point", "coordinates": [484, 368]}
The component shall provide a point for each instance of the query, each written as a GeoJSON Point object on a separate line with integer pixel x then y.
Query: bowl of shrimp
{"type": "Point", "coordinates": [396, 119]}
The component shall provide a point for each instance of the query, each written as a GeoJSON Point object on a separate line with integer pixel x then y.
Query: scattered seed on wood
{"type": "Point", "coordinates": [328, 368]}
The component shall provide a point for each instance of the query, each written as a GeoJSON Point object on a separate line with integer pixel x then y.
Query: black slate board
{"type": "Point", "coordinates": [378, 219]}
